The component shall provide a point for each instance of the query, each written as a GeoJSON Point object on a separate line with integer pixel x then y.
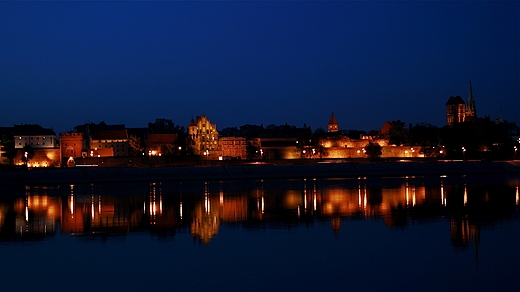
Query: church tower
{"type": "Point", "coordinates": [455, 110]}
{"type": "Point", "coordinates": [471, 109]}
{"type": "Point", "coordinates": [333, 124]}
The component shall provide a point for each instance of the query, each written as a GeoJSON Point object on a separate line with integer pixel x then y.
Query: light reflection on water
{"type": "Point", "coordinates": [437, 232]}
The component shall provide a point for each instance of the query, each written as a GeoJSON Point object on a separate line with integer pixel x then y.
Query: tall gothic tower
{"type": "Point", "coordinates": [455, 110]}
{"type": "Point", "coordinates": [471, 109]}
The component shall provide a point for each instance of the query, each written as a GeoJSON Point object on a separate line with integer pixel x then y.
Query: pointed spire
{"type": "Point", "coordinates": [333, 124]}
{"type": "Point", "coordinates": [333, 119]}
{"type": "Point", "coordinates": [471, 109]}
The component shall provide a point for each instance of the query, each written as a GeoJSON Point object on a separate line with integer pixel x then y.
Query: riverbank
{"type": "Point", "coordinates": [256, 171]}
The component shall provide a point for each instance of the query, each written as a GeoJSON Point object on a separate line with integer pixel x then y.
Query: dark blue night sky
{"type": "Point", "coordinates": [262, 62]}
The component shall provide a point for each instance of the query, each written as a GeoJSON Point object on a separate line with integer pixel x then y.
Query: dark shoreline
{"type": "Point", "coordinates": [257, 171]}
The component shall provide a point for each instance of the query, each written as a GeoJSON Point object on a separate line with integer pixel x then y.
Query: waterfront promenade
{"type": "Point", "coordinates": [256, 171]}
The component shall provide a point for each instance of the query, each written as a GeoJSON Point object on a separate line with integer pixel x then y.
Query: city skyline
{"type": "Point", "coordinates": [68, 63]}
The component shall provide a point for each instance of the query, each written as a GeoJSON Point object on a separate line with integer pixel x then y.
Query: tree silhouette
{"type": "Point", "coordinates": [373, 150]}
{"type": "Point", "coordinates": [398, 135]}
{"type": "Point", "coordinates": [135, 145]}
{"type": "Point", "coordinates": [164, 126]}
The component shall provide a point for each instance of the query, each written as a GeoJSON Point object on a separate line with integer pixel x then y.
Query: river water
{"type": "Point", "coordinates": [459, 233]}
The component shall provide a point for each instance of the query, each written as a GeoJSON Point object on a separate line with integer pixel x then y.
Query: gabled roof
{"type": "Point", "coordinates": [333, 119]}
{"type": "Point", "coordinates": [24, 130]}
{"type": "Point", "coordinates": [110, 135]}
{"type": "Point", "coordinates": [385, 129]}
{"type": "Point", "coordinates": [454, 100]}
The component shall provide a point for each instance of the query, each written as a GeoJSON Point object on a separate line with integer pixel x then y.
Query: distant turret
{"type": "Point", "coordinates": [333, 124]}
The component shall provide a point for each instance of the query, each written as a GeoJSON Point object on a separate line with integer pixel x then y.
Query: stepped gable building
{"type": "Point", "coordinates": [333, 124]}
{"type": "Point", "coordinates": [203, 137]}
{"type": "Point", "coordinates": [455, 110]}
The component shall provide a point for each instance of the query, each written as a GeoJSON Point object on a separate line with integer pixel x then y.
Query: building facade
{"type": "Point", "coordinates": [35, 136]}
{"type": "Point", "coordinates": [458, 111]}
{"type": "Point", "coordinates": [455, 110]}
{"type": "Point", "coordinates": [203, 137]}
{"type": "Point", "coordinates": [116, 140]}
{"type": "Point", "coordinates": [71, 145]}
{"type": "Point", "coordinates": [233, 147]}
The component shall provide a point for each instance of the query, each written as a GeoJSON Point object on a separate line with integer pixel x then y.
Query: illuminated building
{"type": "Point", "coordinates": [455, 110]}
{"type": "Point", "coordinates": [203, 137]}
{"type": "Point", "coordinates": [35, 136]}
{"type": "Point", "coordinates": [458, 111]}
{"type": "Point", "coordinates": [333, 124]}
{"type": "Point", "coordinates": [338, 145]}
{"type": "Point", "coordinates": [70, 146]}
{"type": "Point", "coordinates": [42, 142]}
{"type": "Point", "coordinates": [88, 130]}
{"type": "Point", "coordinates": [233, 147]}
{"type": "Point", "coordinates": [117, 140]}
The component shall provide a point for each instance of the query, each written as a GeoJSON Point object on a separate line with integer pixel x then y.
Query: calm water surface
{"type": "Point", "coordinates": [415, 233]}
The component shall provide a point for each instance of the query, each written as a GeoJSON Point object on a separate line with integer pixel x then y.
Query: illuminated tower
{"type": "Point", "coordinates": [71, 145]}
{"type": "Point", "coordinates": [455, 110]}
{"type": "Point", "coordinates": [333, 124]}
{"type": "Point", "coordinates": [471, 109]}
